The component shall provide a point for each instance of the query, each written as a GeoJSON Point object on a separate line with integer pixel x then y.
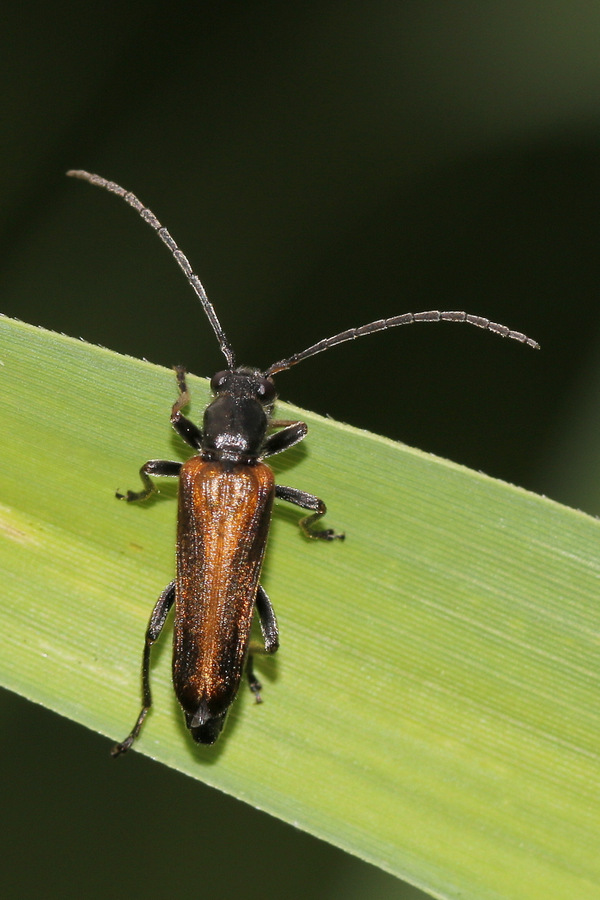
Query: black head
{"type": "Point", "coordinates": [244, 384]}
{"type": "Point", "coordinates": [236, 422]}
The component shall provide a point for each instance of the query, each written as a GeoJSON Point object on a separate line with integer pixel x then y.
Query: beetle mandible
{"type": "Point", "coordinates": [226, 494]}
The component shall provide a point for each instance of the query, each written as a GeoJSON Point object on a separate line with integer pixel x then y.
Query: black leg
{"type": "Point", "coordinates": [189, 432]}
{"type": "Point", "coordinates": [253, 682]}
{"type": "Point", "coordinates": [292, 433]}
{"type": "Point", "coordinates": [152, 467]}
{"type": "Point", "coordinates": [186, 429]}
{"type": "Point", "coordinates": [184, 394]}
{"type": "Point", "coordinates": [268, 622]}
{"type": "Point", "coordinates": [268, 625]}
{"type": "Point", "coordinates": [308, 501]}
{"type": "Point", "coordinates": [155, 626]}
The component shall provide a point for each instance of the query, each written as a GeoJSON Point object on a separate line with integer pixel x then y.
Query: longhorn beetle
{"type": "Point", "coordinates": [226, 493]}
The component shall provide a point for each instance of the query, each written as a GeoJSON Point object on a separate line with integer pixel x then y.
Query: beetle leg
{"type": "Point", "coordinates": [283, 423]}
{"type": "Point", "coordinates": [268, 622]}
{"type": "Point", "coordinates": [253, 682]}
{"type": "Point", "coordinates": [152, 467]}
{"type": "Point", "coordinates": [184, 394]}
{"type": "Point", "coordinates": [282, 440]}
{"type": "Point", "coordinates": [270, 632]}
{"type": "Point", "coordinates": [186, 429]}
{"type": "Point", "coordinates": [308, 501]}
{"type": "Point", "coordinates": [155, 626]}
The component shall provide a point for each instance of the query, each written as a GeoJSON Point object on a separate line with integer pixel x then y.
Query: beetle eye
{"type": "Point", "coordinates": [266, 390]}
{"type": "Point", "coordinates": [218, 381]}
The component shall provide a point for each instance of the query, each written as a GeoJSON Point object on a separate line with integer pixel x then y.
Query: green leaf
{"type": "Point", "coordinates": [434, 707]}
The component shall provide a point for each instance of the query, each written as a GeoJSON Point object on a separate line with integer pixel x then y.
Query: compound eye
{"type": "Point", "coordinates": [218, 381]}
{"type": "Point", "coordinates": [266, 391]}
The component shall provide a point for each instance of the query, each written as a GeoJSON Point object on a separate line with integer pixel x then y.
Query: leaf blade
{"type": "Point", "coordinates": [434, 708]}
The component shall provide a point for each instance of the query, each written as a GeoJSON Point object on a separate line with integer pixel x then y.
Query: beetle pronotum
{"type": "Point", "coordinates": [226, 494]}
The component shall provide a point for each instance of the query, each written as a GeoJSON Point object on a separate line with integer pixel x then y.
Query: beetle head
{"type": "Point", "coordinates": [244, 384]}
{"type": "Point", "coordinates": [236, 421]}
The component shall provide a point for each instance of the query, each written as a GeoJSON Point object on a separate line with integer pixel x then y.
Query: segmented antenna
{"type": "Point", "coordinates": [149, 217]}
{"type": "Point", "coordinates": [432, 315]}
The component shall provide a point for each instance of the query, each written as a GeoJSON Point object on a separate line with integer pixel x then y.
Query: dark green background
{"type": "Point", "coordinates": [322, 164]}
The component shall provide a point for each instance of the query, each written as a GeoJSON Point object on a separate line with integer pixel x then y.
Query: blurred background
{"type": "Point", "coordinates": [322, 165]}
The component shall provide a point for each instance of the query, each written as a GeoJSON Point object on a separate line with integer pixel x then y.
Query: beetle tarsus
{"type": "Point", "coordinates": [124, 746]}
{"type": "Point", "coordinates": [318, 508]}
{"type": "Point", "coordinates": [253, 682]}
{"type": "Point", "coordinates": [327, 534]}
{"type": "Point", "coordinates": [163, 467]}
{"type": "Point", "coordinates": [132, 496]}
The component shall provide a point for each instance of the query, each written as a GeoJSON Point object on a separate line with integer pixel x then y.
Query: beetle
{"type": "Point", "coordinates": [226, 494]}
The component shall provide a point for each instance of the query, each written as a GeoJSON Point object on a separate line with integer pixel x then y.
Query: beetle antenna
{"type": "Point", "coordinates": [432, 315]}
{"type": "Point", "coordinates": [149, 217]}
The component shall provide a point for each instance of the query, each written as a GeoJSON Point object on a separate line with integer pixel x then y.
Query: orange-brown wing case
{"type": "Point", "coordinates": [224, 516]}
